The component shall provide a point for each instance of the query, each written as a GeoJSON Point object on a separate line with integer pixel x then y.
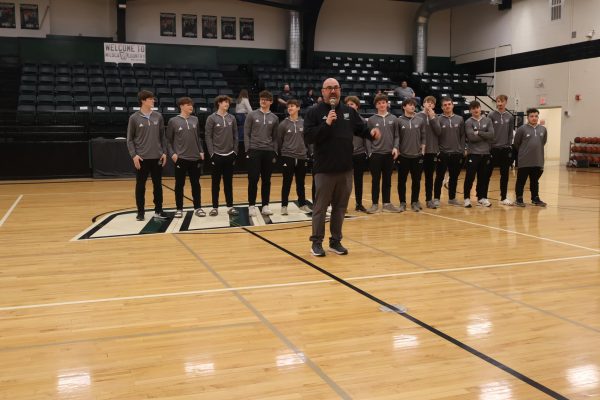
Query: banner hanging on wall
{"type": "Point", "coordinates": [30, 16]}
{"type": "Point", "coordinates": [7, 15]}
{"type": "Point", "coordinates": [246, 28]}
{"type": "Point", "coordinates": [125, 53]}
{"type": "Point", "coordinates": [189, 25]}
{"type": "Point", "coordinates": [209, 27]}
{"type": "Point", "coordinates": [167, 24]}
{"type": "Point", "coordinates": [228, 28]}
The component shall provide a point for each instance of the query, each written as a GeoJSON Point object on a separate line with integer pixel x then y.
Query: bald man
{"type": "Point", "coordinates": [331, 126]}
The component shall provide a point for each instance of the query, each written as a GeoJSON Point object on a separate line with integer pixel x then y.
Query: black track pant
{"type": "Point", "coordinates": [502, 158]}
{"type": "Point", "coordinates": [480, 165]}
{"type": "Point", "coordinates": [429, 163]}
{"type": "Point", "coordinates": [534, 174]}
{"type": "Point", "coordinates": [450, 162]}
{"type": "Point", "coordinates": [192, 169]}
{"type": "Point", "coordinates": [360, 165]}
{"type": "Point", "coordinates": [293, 167]}
{"type": "Point", "coordinates": [222, 166]}
{"type": "Point", "coordinates": [153, 168]}
{"type": "Point", "coordinates": [415, 167]}
{"type": "Point", "coordinates": [260, 166]}
{"type": "Point", "coordinates": [381, 166]}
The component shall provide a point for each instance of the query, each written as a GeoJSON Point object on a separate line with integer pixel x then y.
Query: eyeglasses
{"type": "Point", "coordinates": [332, 88]}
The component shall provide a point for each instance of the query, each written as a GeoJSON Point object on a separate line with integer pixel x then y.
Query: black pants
{"type": "Point", "coordinates": [429, 163]}
{"type": "Point", "coordinates": [480, 165]}
{"type": "Point", "coordinates": [502, 158]}
{"type": "Point", "coordinates": [192, 169]}
{"type": "Point", "coordinates": [360, 165]}
{"type": "Point", "coordinates": [381, 166]}
{"type": "Point", "coordinates": [153, 168]}
{"type": "Point", "coordinates": [293, 167]}
{"type": "Point", "coordinates": [260, 166]}
{"type": "Point", "coordinates": [450, 162]}
{"type": "Point", "coordinates": [415, 167]}
{"type": "Point", "coordinates": [534, 174]}
{"type": "Point", "coordinates": [222, 166]}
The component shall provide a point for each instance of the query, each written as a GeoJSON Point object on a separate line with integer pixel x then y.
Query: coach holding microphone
{"type": "Point", "coordinates": [331, 126]}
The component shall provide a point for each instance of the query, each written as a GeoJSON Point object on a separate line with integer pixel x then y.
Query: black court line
{"type": "Point", "coordinates": [456, 342]}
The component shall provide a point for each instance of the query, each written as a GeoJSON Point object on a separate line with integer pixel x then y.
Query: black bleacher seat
{"type": "Point", "coordinates": [112, 81]}
{"type": "Point", "coordinates": [172, 75]}
{"type": "Point", "coordinates": [97, 81]}
{"type": "Point", "coordinates": [179, 92]}
{"type": "Point", "coordinates": [81, 91]}
{"type": "Point", "coordinates": [99, 100]}
{"type": "Point", "coordinates": [111, 73]}
{"type": "Point", "coordinates": [29, 80]}
{"type": "Point", "coordinates": [46, 70]}
{"type": "Point", "coordinates": [81, 100]}
{"type": "Point", "coordinates": [215, 75]}
{"type": "Point", "coordinates": [29, 70]}
{"type": "Point", "coordinates": [163, 92]}
{"type": "Point", "coordinates": [27, 99]}
{"type": "Point", "coordinates": [174, 83]}
{"type": "Point", "coordinates": [130, 91]}
{"type": "Point", "coordinates": [126, 73]}
{"type": "Point", "coordinates": [45, 114]}
{"type": "Point", "coordinates": [205, 84]}
{"type": "Point", "coordinates": [114, 91]}
{"type": "Point", "coordinates": [97, 90]}
{"type": "Point", "coordinates": [63, 71]}
{"type": "Point", "coordinates": [132, 101]}
{"type": "Point", "coordinates": [220, 84]}
{"type": "Point", "coordinates": [63, 100]}
{"type": "Point", "coordinates": [145, 82]}
{"type": "Point", "coordinates": [128, 81]}
{"type": "Point", "coordinates": [80, 80]}
{"type": "Point", "coordinates": [95, 72]}
{"type": "Point", "coordinates": [64, 115]}
{"type": "Point", "coordinates": [46, 79]}
{"type": "Point", "coordinates": [26, 114]}
{"type": "Point", "coordinates": [226, 92]}
{"type": "Point", "coordinates": [210, 92]}
{"type": "Point", "coordinates": [79, 72]}
{"type": "Point", "coordinates": [154, 74]}
{"type": "Point", "coordinates": [119, 115]}
{"type": "Point", "coordinates": [166, 101]}
{"type": "Point", "coordinates": [169, 112]}
{"type": "Point", "coordinates": [63, 90]}
{"type": "Point", "coordinates": [200, 74]}
{"type": "Point", "coordinates": [186, 75]}
{"type": "Point", "coordinates": [82, 114]}
{"type": "Point", "coordinates": [160, 83]}
{"type": "Point", "coordinates": [45, 99]}
{"type": "Point", "coordinates": [45, 89]}
{"type": "Point", "coordinates": [141, 73]}
{"type": "Point", "coordinates": [117, 101]}
{"type": "Point", "coordinates": [27, 89]}
{"type": "Point", "coordinates": [189, 83]}
{"type": "Point", "coordinates": [100, 115]}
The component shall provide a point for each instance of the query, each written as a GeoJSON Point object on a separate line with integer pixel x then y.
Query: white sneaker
{"type": "Point", "coordinates": [507, 202]}
{"type": "Point", "coordinates": [178, 214]}
{"type": "Point", "coordinates": [252, 211]}
{"type": "Point", "coordinates": [305, 208]}
{"type": "Point", "coordinates": [468, 203]}
{"type": "Point", "coordinates": [328, 213]}
{"type": "Point", "coordinates": [283, 210]}
{"type": "Point", "coordinates": [266, 211]}
{"type": "Point", "coordinates": [484, 202]}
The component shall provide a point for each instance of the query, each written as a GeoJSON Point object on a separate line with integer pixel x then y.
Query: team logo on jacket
{"type": "Point", "coordinates": [194, 126]}
{"type": "Point", "coordinates": [219, 125]}
{"type": "Point", "coordinates": [289, 130]}
{"type": "Point", "coordinates": [377, 124]}
{"type": "Point", "coordinates": [155, 122]}
{"type": "Point", "coordinates": [443, 126]}
{"type": "Point", "coordinates": [141, 126]}
{"type": "Point", "coordinates": [346, 115]}
{"type": "Point", "coordinates": [180, 129]}
{"type": "Point", "coordinates": [301, 129]}
{"type": "Point", "coordinates": [257, 120]}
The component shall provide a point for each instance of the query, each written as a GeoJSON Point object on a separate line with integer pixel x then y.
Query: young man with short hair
{"type": "Point", "coordinates": [359, 158]}
{"type": "Point", "coordinates": [452, 147]}
{"type": "Point", "coordinates": [412, 135]}
{"type": "Point", "coordinates": [186, 152]}
{"type": "Point", "coordinates": [222, 146]}
{"type": "Point", "coordinates": [294, 156]}
{"type": "Point", "coordinates": [147, 148]}
{"type": "Point", "coordinates": [502, 156]}
{"type": "Point", "coordinates": [382, 153]}
{"type": "Point", "coordinates": [260, 140]}
{"type": "Point", "coordinates": [530, 140]}
{"type": "Point", "coordinates": [480, 136]}
{"type": "Point", "coordinates": [432, 148]}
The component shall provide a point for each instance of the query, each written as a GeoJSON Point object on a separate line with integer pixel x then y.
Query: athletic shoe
{"type": "Point", "coordinates": [328, 212]}
{"type": "Point", "coordinates": [266, 210]}
{"type": "Point", "coordinates": [252, 211]}
{"type": "Point", "coordinates": [484, 202]}
{"type": "Point", "coordinates": [431, 204]}
{"type": "Point", "coordinates": [360, 208]}
{"type": "Point", "coordinates": [538, 202]}
{"type": "Point", "coordinates": [199, 212]}
{"type": "Point", "coordinates": [418, 205]}
{"type": "Point", "coordinates": [214, 212]}
{"type": "Point", "coordinates": [506, 202]}
{"type": "Point", "coordinates": [178, 214]}
{"type": "Point", "coordinates": [402, 207]}
{"type": "Point", "coordinates": [468, 203]}
{"type": "Point", "coordinates": [139, 217]}
{"type": "Point", "coordinates": [415, 206]}
{"type": "Point", "coordinates": [373, 209]}
{"type": "Point", "coordinates": [305, 208]}
{"type": "Point", "coordinates": [160, 215]}
{"type": "Point", "coordinates": [337, 248]}
{"type": "Point", "coordinates": [283, 210]}
{"type": "Point", "coordinates": [436, 203]}
{"type": "Point", "coordinates": [519, 203]}
{"type": "Point", "coordinates": [389, 207]}
{"type": "Point", "coordinates": [454, 202]}
{"type": "Point", "coordinates": [233, 212]}
{"type": "Point", "coordinates": [317, 250]}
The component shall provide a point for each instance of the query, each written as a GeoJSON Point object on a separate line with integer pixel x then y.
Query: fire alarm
{"type": "Point", "coordinates": [577, 97]}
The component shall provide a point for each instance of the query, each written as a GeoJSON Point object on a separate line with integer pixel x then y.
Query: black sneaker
{"type": "Point", "coordinates": [161, 215]}
{"type": "Point", "coordinates": [519, 203]}
{"type": "Point", "coordinates": [337, 248]}
{"type": "Point", "coordinates": [317, 249]}
{"type": "Point", "coordinates": [140, 217]}
{"type": "Point", "coordinates": [538, 202]}
{"type": "Point", "coordinates": [360, 208]}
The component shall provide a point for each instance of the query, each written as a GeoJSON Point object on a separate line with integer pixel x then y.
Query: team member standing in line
{"type": "Point", "coordinates": [412, 136]}
{"type": "Point", "coordinates": [530, 140]}
{"type": "Point", "coordinates": [432, 148]}
{"type": "Point", "coordinates": [452, 147]}
{"type": "Point", "coordinates": [502, 156]}
{"type": "Point", "coordinates": [359, 157]}
{"type": "Point", "coordinates": [382, 153]}
{"type": "Point", "coordinates": [222, 146]}
{"type": "Point", "coordinates": [480, 136]}
{"type": "Point", "coordinates": [147, 147]}
{"type": "Point", "coordinates": [186, 152]}
{"type": "Point", "coordinates": [260, 141]}
{"type": "Point", "coordinates": [294, 156]}
{"type": "Point", "coordinates": [330, 126]}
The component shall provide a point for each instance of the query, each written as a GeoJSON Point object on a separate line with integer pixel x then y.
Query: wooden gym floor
{"type": "Point", "coordinates": [488, 304]}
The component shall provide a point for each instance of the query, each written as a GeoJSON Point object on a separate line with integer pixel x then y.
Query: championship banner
{"type": "Point", "coordinates": [7, 15]}
{"type": "Point", "coordinates": [228, 28]}
{"type": "Point", "coordinates": [125, 53]}
{"type": "Point", "coordinates": [167, 24]}
{"type": "Point", "coordinates": [209, 27]}
{"type": "Point", "coordinates": [29, 16]}
{"type": "Point", "coordinates": [246, 28]}
{"type": "Point", "coordinates": [189, 25]}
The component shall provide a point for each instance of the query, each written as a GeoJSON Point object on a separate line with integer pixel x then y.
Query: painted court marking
{"type": "Point", "coordinates": [10, 210]}
{"type": "Point", "coordinates": [281, 285]}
